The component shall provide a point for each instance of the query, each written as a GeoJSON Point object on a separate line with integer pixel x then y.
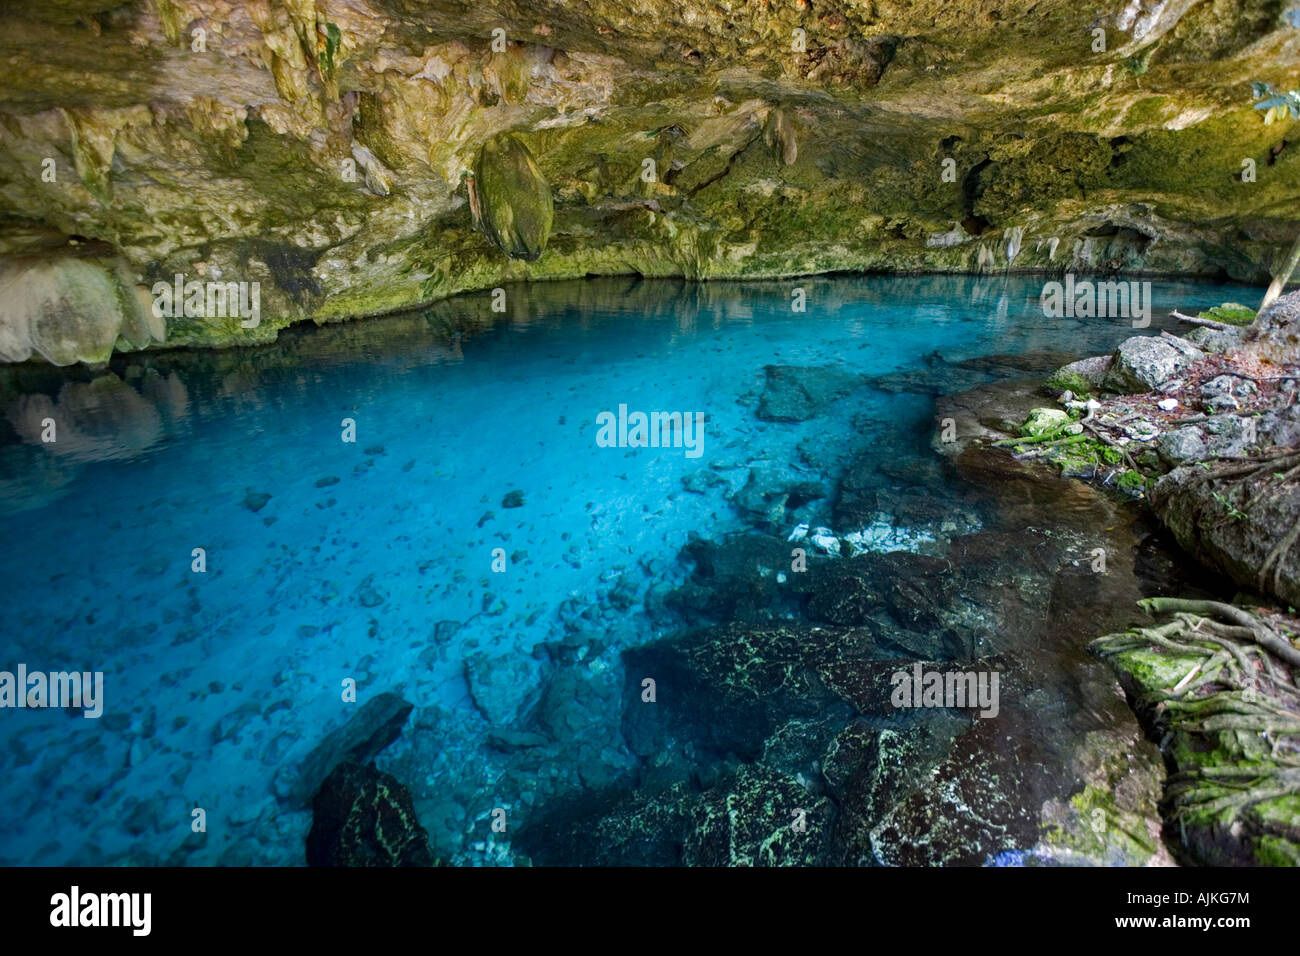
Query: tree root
{"type": "Point", "coordinates": [1259, 632]}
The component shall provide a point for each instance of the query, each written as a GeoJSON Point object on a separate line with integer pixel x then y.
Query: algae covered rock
{"type": "Point", "coordinates": [1081, 377]}
{"type": "Point", "coordinates": [1044, 422]}
{"type": "Point", "coordinates": [364, 817]}
{"type": "Point", "coordinates": [513, 197]}
{"type": "Point", "coordinates": [793, 393]}
{"type": "Point", "coordinates": [1216, 685]}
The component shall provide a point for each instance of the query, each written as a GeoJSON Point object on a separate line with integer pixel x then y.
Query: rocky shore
{"type": "Point", "coordinates": [1205, 429]}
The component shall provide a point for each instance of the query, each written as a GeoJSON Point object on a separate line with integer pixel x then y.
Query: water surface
{"type": "Point", "coordinates": [373, 560]}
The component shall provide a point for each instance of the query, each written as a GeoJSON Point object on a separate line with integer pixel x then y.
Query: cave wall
{"type": "Point", "coordinates": [333, 151]}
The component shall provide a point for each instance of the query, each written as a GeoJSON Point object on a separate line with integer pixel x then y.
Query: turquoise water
{"type": "Point", "coordinates": [373, 560]}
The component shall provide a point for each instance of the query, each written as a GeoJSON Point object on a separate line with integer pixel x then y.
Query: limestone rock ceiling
{"type": "Point", "coordinates": [327, 148]}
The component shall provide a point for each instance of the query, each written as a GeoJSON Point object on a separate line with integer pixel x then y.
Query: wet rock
{"type": "Point", "coordinates": [727, 687]}
{"type": "Point", "coordinates": [256, 500]}
{"type": "Point", "coordinates": [869, 770]}
{"type": "Point", "coordinates": [513, 499]}
{"type": "Point", "coordinates": [796, 748]}
{"type": "Point", "coordinates": [866, 683]}
{"type": "Point", "coordinates": [509, 741]}
{"type": "Point", "coordinates": [364, 817]}
{"type": "Point", "coordinates": [759, 817]}
{"type": "Point", "coordinates": [367, 594]}
{"type": "Point", "coordinates": [1241, 524]}
{"type": "Point", "coordinates": [444, 631]}
{"type": "Point", "coordinates": [1145, 363]}
{"type": "Point", "coordinates": [771, 491]}
{"type": "Point", "coordinates": [373, 727]}
{"type": "Point", "coordinates": [737, 578]}
{"type": "Point", "coordinates": [1113, 820]}
{"type": "Point", "coordinates": [985, 413]}
{"type": "Point", "coordinates": [873, 490]}
{"type": "Point", "coordinates": [1014, 364]}
{"type": "Point", "coordinates": [913, 588]}
{"type": "Point", "coordinates": [752, 816]}
{"type": "Point", "coordinates": [983, 798]}
{"type": "Point", "coordinates": [613, 828]}
{"type": "Point", "coordinates": [702, 480]}
{"type": "Point", "coordinates": [794, 393]}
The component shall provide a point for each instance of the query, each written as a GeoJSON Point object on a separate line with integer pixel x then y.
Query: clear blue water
{"type": "Point", "coordinates": [218, 683]}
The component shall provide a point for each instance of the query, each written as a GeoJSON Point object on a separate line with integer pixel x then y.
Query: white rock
{"type": "Point", "coordinates": [825, 541]}
{"type": "Point", "coordinates": [1167, 404]}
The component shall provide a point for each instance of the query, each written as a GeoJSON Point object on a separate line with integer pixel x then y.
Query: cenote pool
{"type": "Point", "coordinates": [478, 553]}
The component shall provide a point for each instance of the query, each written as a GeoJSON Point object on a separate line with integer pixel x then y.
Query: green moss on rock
{"type": "Point", "coordinates": [515, 198]}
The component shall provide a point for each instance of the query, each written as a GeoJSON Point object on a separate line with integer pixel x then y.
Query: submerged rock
{"type": "Point", "coordinates": [364, 817]}
{"type": "Point", "coordinates": [501, 685]}
{"type": "Point", "coordinates": [255, 501]}
{"type": "Point", "coordinates": [771, 491]}
{"type": "Point", "coordinates": [794, 393]}
{"type": "Point", "coordinates": [373, 727]}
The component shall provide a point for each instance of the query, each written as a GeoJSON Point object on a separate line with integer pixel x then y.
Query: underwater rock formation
{"type": "Point", "coordinates": [319, 148]}
{"type": "Point", "coordinates": [373, 727]}
{"type": "Point", "coordinates": [364, 817]}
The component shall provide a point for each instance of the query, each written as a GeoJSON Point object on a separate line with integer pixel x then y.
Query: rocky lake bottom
{"type": "Point", "coordinates": [500, 583]}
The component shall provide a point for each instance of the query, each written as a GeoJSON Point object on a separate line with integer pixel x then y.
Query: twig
{"type": "Point", "coordinates": [1208, 323]}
